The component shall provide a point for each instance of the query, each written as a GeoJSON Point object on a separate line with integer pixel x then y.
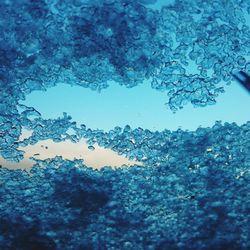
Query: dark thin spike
{"type": "Point", "coordinates": [245, 75]}
{"type": "Point", "coordinates": [246, 82]}
{"type": "Point", "coordinates": [238, 79]}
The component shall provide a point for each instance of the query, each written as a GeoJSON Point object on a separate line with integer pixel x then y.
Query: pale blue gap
{"type": "Point", "coordinates": [140, 106]}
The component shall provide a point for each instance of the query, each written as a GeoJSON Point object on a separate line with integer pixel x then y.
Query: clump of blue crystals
{"type": "Point", "coordinates": [191, 193]}
{"type": "Point", "coordinates": [193, 190]}
{"type": "Point", "coordinates": [90, 43]}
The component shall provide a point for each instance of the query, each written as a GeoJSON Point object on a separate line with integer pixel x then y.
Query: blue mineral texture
{"type": "Point", "coordinates": [193, 190]}
{"type": "Point", "coordinates": [200, 201]}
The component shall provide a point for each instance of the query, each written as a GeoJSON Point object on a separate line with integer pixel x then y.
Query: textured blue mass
{"type": "Point", "coordinates": [193, 191]}
{"type": "Point", "coordinates": [89, 43]}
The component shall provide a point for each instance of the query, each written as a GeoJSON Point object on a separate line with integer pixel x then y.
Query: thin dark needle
{"type": "Point", "coordinates": [244, 81]}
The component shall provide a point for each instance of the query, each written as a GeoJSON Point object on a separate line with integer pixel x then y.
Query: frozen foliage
{"type": "Point", "coordinates": [192, 193]}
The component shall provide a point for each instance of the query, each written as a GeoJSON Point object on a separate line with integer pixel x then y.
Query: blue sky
{"type": "Point", "coordinates": [140, 106]}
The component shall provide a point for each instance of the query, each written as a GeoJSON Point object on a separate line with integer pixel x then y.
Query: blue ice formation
{"type": "Point", "coordinates": [90, 43]}
{"type": "Point", "coordinates": [193, 191]}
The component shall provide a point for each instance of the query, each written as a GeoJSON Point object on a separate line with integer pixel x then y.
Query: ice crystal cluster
{"type": "Point", "coordinates": [191, 193]}
{"type": "Point", "coordinates": [193, 190]}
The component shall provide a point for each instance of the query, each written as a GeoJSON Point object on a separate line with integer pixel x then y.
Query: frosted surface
{"type": "Point", "coordinates": [193, 190]}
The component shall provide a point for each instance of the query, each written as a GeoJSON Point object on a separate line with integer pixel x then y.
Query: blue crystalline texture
{"type": "Point", "coordinates": [111, 32]}
{"type": "Point", "coordinates": [193, 192]}
{"type": "Point", "coordinates": [89, 44]}
{"type": "Point", "coordinates": [206, 46]}
{"type": "Point", "coordinates": [148, 1]}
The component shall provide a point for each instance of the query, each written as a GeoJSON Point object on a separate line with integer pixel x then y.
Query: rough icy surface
{"type": "Point", "coordinates": [193, 191]}
{"type": "Point", "coordinates": [90, 43]}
